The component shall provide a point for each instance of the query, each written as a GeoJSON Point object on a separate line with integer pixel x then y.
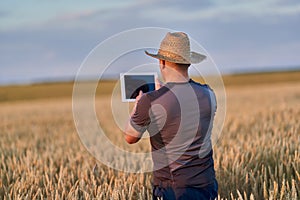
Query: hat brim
{"type": "Point", "coordinates": [194, 58]}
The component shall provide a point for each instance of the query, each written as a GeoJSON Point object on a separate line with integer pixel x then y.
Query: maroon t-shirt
{"type": "Point", "coordinates": [179, 118]}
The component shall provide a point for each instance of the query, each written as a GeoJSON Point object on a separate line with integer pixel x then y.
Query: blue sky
{"type": "Point", "coordinates": [50, 39]}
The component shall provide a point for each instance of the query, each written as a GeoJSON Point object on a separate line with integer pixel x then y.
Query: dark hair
{"type": "Point", "coordinates": [183, 65]}
{"type": "Point", "coordinates": [179, 65]}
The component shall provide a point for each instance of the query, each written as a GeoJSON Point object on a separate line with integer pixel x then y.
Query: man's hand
{"type": "Point", "coordinates": [136, 101]}
{"type": "Point", "coordinates": [138, 96]}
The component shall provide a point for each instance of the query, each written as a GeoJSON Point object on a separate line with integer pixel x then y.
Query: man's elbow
{"type": "Point", "coordinates": [131, 135]}
{"type": "Point", "coordinates": [131, 139]}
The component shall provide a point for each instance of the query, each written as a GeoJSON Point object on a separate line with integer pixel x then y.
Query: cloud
{"type": "Point", "coordinates": [220, 10]}
{"type": "Point", "coordinates": [235, 35]}
{"type": "Point", "coordinates": [76, 15]}
{"type": "Point", "coordinates": [4, 13]}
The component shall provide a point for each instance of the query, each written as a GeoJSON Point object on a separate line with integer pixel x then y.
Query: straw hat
{"type": "Point", "coordinates": [175, 47]}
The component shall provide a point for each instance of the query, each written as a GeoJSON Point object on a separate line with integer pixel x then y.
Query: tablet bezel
{"type": "Point", "coordinates": [122, 80]}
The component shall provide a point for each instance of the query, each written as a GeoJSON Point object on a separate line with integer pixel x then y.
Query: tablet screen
{"type": "Point", "coordinates": [132, 83]}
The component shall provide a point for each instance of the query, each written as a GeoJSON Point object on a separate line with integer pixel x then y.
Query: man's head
{"type": "Point", "coordinates": [168, 69]}
{"type": "Point", "coordinates": [175, 48]}
{"type": "Point", "coordinates": [175, 56]}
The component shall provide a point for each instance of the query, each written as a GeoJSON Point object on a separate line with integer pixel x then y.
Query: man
{"type": "Point", "coordinates": [178, 117]}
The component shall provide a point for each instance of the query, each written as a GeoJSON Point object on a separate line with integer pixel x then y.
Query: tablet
{"type": "Point", "coordinates": [132, 83]}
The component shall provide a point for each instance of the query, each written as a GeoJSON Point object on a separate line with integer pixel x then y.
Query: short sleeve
{"type": "Point", "coordinates": [213, 100]}
{"type": "Point", "coordinates": [140, 118]}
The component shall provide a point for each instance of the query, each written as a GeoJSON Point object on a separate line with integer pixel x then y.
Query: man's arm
{"type": "Point", "coordinates": [131, 135]}
{"type": "Point", "coordinates": [139, 117]}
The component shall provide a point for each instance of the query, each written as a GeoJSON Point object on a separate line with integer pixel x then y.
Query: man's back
{"type": "Point", "coordinates": [179, 119]}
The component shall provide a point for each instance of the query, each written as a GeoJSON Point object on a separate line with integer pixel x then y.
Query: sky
{"type": "Point", "coordinates": [48, 40]}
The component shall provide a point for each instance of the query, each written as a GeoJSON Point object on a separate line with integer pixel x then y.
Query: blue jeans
{"type": "Point", "coordinates": [209, 192]}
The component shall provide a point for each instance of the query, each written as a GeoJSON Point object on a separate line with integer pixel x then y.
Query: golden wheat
{"type": "Point", "coordinates": [257, 156]}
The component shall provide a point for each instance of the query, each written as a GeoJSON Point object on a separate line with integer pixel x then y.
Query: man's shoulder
{"type": "Point", "coordinates": [153, 95]}
{"type": "Point", "coordinates": [198, 84]}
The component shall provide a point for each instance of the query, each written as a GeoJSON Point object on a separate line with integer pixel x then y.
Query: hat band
{"type": "Point", "coordinates": [173, 56]}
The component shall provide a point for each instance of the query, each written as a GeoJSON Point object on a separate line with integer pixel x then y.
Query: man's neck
{"type": "Point", "coordinates": [177, 78]}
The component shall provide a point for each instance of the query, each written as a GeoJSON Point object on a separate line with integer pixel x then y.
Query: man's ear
{"type": "Point", "coordinates": [162, 64]}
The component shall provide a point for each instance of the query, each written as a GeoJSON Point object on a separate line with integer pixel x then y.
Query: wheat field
{"type": "Point", "coordinates": [257, 156]}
